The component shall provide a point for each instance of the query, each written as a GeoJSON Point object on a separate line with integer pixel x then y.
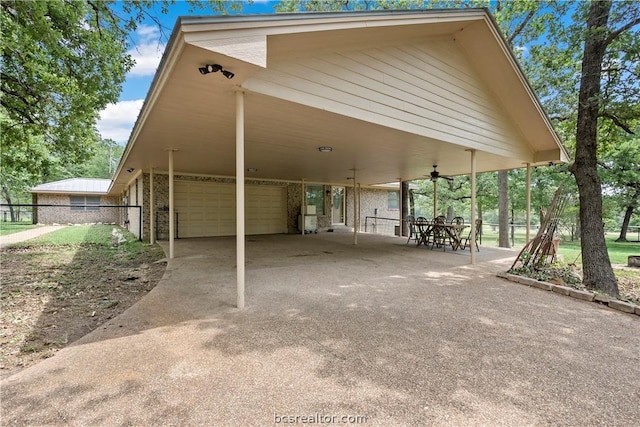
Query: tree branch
{"type": "Point", "coordinates": [520, 27]}
{"type": "Point", "coordinates": [561, 118]}
{"type": "Point", "coordinates": [616, 33]}
{"type": "Point", "coordinates": [618, 122]}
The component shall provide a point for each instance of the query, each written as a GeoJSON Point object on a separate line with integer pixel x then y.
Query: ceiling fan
{"type": "Point", "coordinates": [435, 175]}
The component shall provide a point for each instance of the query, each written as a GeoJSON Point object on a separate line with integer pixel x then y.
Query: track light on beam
{"type": "Point", "coordinates": [214, 68]}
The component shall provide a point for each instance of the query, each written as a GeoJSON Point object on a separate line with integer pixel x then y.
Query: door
{"type": "Point", "coordinates": [209, 209]}
{"type": "Point", "coordinates": [337, 205]}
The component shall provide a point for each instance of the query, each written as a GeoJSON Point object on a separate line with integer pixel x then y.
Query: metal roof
{"type": "Point", "coordinates": [75, 185]}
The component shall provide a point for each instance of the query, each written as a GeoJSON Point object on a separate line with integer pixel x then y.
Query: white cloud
{"type": "Point", "coordinates": [117, 120]}
{"type": "Point", "coordinates": [147, 51]}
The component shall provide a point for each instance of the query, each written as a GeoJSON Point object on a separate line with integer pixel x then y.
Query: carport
{"type": "Point", "coordinates": [333, 98]}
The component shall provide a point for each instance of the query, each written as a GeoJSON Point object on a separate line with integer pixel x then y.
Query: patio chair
{"type": "Point", "coordinates": [439, 234]}
{"type": "Point", "coordinates": [466, 240]}
{"type": "Point", "coordinates": [413, 233]}
{"type": "Point", "coordinates": [458, 220]}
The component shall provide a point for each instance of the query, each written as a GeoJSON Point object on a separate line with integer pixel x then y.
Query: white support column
{"type": "Point", "coordinates": [400, 197]}
{"type": "Point", "coordinates": [240, 250]}
{"type": "Point", "coordinates": [152, 209]}
{"type": "Point", "coordinates": [359, 205]}
{"type": "Point", "coordinates": [528, 202]}
{"type": "Point", "coordinates": [303, 207]}
{"type": "Point", "coordinates": [172, 224]}
{"type": "Point", "coordinates": [472, 243]}
{"type": "Point", "coordinates": [355, 209]}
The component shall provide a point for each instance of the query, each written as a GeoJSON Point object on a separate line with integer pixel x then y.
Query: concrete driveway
{"type": "Point", "coordinates": [376, 334]}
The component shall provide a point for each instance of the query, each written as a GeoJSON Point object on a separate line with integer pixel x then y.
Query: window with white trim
{"type": "Point", "coordinates": [84, 203]}
{"type": "Point", "coordinates": [393, 200]}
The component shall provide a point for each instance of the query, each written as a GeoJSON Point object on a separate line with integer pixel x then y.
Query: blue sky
{"type": "Point", "coordinates": [147, 46]}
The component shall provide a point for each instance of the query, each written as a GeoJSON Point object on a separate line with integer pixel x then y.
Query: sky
{"type": "Point", "coordinates": [148, 43]}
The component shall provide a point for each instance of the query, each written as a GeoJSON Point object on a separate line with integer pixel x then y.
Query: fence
{"type": "Point", "coordinates": [631, 230]}
{"type": "Point", "coordinates": [19, 217]}
{"type": "Point", "coordinates": [379, 225]}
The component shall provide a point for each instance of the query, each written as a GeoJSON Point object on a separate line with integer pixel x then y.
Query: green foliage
{"type": "Point", "coordinates": [555, 271]}
{"type": "Point", "coordinates": [62, 63]}
{"type": "Point", "coordinates": [96, 235]}
{"type": "Point", "coordinates": [15, 227]}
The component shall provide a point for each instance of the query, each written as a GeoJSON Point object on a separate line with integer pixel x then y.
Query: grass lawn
{"type": "Point", "coordinates": [618, 251]}
{"type": "Point", "coordinates": [14, 227]}
{"type": "Point", "coordinates": [570, 253]}
{"type": "Point", "coordinates": [94, 235]}
{"type": "Point", "coordinates": [60, 286]}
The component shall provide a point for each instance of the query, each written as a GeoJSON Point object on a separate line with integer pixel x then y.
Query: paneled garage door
{"type": "Point", "coordinates": [209, 209]}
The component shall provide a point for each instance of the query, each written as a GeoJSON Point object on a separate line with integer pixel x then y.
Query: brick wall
{"type": "Point", "coordinates": [64, 214]}
{"type": "Point", "coordinates": [370, 200]}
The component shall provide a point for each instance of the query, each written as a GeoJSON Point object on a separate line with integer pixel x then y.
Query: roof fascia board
{"type": "Point", "coordinates": [524, 81]}
{"type": "Point", "coordinates": [63, 192]}
{"type": "Point", "coordinates": [172, 52]}
{"type": "Point", "coordinates": [227, 27]}
{"type": "Point", "coordinates": [549, 156]}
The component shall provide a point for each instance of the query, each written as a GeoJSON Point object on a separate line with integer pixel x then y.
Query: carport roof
{"type": "Point", "coordinates": [287, 66]}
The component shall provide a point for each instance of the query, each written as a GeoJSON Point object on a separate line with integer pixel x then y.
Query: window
{"type": "Point", "coordinates": [85, 203]}
{"type": "Point", "coordinates": [315, 197]}
{"type": "Point", "coordinates": [393, 201]}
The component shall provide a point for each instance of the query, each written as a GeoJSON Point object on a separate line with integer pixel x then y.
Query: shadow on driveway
{"type": "Point", "coordinates": [396, 334]}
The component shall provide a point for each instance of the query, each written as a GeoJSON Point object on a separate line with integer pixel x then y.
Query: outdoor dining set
{"type": "Point", "coordinates": [441, 233]}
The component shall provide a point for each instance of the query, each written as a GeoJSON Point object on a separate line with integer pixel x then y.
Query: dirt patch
{"type": "Point", "coordinates": [53, 295]}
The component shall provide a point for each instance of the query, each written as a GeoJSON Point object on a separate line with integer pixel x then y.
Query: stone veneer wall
{"type": "Point", "coordinates": [64, 214]}
{"type": "Point", "coordinates": [370, 199]}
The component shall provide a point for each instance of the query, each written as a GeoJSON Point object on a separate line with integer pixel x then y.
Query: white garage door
{"type": "Point", "coordinates": [209, 209]}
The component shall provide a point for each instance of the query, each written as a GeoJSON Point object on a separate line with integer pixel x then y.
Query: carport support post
{"type": "Point", "coordinates": [152, 219]}
{"type": "Point", "coordinates": [172, 225]}
{"type": "Point", "coordinates": [240, 198]}
{"type": "Point", "coordinates": [472, 240]}
{"type": "Point", "coordinates": [355, 209]}
{"type": "Point", "coordinates": [303, 207]}
{"type": "Point", "coordinates": [401, 229]}
{"type": "Point", "coordinates": [528, 202]}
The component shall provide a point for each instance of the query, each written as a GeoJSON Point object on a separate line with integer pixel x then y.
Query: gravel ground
{"type": "Point", "coordinates": [390, 333]}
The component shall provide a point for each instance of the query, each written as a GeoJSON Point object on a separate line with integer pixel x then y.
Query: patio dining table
{"type": "Point", "coordinates": [428, 230]}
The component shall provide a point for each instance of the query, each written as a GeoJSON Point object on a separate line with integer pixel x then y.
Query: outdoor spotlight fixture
{"type": "Point", "coordinates": [325, 149]}
{"type": "Point", "coordinates": [214, 68]}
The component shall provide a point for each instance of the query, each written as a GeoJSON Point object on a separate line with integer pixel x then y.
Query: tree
{"type": "Point", "coordinates": [503, 209]}
{"type": "Point", "coordinates": [62, 63]}
{"type": "Point", "coordinates": [600, 35]}
{"type": "Point", "coordinates": [621, 167]}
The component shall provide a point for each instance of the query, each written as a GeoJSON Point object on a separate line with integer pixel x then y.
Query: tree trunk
{"type": "Point", "coordinates": [503, 209]}
{"type": "Point", "coordinates": [412, 204]}
{"type": "Point", "coordinates": [627, 217]}
{"type": "Point", "coordinates": [479, 216]}
{"type": "Point", "coordinates": [596, 266]}
{"type": "Point", "coordinates": [7, 196]}
{"type": "Point", "coordinates": [405, 207]}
